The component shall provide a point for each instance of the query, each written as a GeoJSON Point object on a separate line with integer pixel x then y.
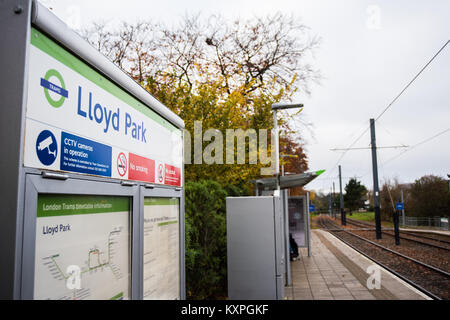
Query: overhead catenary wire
{"type": "Point", "coordinates": [415, 77]}
{"type": "Point", "coordinates": [365, 148]}
{"type": "Point", "coordinates": [331, 170]}
{"type": "Point", "coordinates": [389, 106]}
{"type": "Point", "coordinates": [384, 163]}
{"type": "Point", "coordinates": [380, 125]}
{"type": "Point", "coordinates": [348, 148]}
{"type": "Point", "coordinates": [415, 146]}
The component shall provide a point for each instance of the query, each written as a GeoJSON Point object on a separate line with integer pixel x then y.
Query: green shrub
{"type": "Point", "coordinates": [206, 246]}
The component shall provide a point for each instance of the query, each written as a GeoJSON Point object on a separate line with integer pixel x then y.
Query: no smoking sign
{"type": "Point", "coordinates": [122, 164]}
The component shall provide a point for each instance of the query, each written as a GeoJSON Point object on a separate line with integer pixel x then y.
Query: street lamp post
{"type": "Point", "coordinates": [275, 108]}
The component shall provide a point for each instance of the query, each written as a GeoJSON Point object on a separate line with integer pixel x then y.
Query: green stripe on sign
{"type": "Point", "coordinates": [161, 201]}
{"type": "Point", "coordinates": [117, 296]}
{"type": "Point", "coordinates": [51, 205]}
{"type": "Point", "coordinates": [42, 42]}
{"type": "Point", "coordinates": [167, 223]}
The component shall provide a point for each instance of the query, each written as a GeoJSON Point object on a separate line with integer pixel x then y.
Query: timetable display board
{"type": "Point", "coordinates": [82, 247]}
{"type": "Point", "coordinates": [79, 121]}
{"type": "Point", "coordinates": [161, 248]}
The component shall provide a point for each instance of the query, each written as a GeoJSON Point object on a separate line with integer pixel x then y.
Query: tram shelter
{"type": "Point", "coordinates": [295, 209]}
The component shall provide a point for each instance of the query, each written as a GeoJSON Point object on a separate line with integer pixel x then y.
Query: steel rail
{"type": "Point", "coordinates": [412, 283]}
{"type": "Point", "coordinates": [413, 233]}
{"type": "Point", "coordinates": [399, 254]}
{"type": "Point", "coordinates": [359, 223]}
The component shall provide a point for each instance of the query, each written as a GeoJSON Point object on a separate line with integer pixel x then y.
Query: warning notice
{"type": "Point", "coordinates": [172, 175]}
{"type": "Point", "coordinates": [142, 169]}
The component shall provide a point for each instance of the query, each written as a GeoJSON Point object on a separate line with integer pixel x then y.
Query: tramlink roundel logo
{"type": "Point", "coordinates": [54, 88]}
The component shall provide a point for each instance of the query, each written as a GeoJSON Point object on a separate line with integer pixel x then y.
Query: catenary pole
{"type": "Point", "coordinates": [376, 191]}
{"type": "Point", "coordinates": [403, 210]}
{"type": "Point", "coordinates": [341, 200]}
{"type": "Point", "coordinates": [330, 206]}
{"type": "Point", "coordinates": [333, 203]}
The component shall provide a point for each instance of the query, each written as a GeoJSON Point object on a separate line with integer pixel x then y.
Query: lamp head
{"type": "Point", "coordinates": [279, 106]}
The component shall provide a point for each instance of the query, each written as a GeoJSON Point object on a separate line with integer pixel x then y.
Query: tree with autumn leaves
{"type": "Point", "coordinates": [226, 75]}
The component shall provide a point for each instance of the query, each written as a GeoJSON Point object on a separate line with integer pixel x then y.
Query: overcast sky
{"type": "Point", "coordinates": [370, 50]}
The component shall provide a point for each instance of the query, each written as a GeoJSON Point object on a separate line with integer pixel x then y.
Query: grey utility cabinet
{"type": "Point", "coordinates": [256, 260]}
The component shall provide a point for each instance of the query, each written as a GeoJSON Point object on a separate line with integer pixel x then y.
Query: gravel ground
{"type": "Point", "coordinates": [439, 258]}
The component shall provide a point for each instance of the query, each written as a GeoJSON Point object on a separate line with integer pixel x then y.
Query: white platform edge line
{"type": "Point", "coordinates": [381, 268]}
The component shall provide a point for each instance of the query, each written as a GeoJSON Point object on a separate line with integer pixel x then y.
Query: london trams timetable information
{"type": "Point", "coordinates": [82, 247]}
{"type": "Point", "coordinates": [161, 249]}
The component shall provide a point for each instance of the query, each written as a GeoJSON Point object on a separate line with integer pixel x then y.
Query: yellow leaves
{"type": "Point", "coordinates": [222, 103]}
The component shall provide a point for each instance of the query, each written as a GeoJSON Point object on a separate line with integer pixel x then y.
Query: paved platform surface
{"type": "Point", "coordinates": [337, 272]}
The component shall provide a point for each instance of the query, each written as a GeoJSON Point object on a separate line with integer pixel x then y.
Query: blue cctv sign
{"type": "Point", "coordinates": [46, 147]}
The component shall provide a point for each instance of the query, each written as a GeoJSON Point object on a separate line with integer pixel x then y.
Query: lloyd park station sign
{"type": "Point", "coordinates": [79, 121]}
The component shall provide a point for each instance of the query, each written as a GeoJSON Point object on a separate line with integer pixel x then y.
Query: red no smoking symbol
{"type": "Point", "coordinates": [122, 164]}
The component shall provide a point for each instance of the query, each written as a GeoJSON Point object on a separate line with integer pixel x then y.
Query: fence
{"type": "Point", "coordinates": [434, 222]}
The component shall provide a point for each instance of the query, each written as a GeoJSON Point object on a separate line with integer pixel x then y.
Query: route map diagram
{"type": "Point", "coordinates": [82, 255]}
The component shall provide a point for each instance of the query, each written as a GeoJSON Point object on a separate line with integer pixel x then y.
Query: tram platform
{"type": "Point", "coordinates": [335, 271]}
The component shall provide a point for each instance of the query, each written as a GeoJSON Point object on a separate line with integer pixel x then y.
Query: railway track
{"type": "Point", "coordinates": [429, 279]}
{"type": "Point", "coordinates": [423, 240]}
{"type": "Point", "coordinates": [435, 237]}
{"type": "Point", "coordinates": [419, 234]}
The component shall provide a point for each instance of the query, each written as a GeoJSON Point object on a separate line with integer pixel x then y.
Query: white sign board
{"type": "Point", "coordinates": [161, 249]}
{"type": "Point", "coordinates": [79, 121]}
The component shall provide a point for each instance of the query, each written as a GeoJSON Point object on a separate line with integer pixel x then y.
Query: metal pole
{"type": "Point", "coordinates": [448, 216]}
{"type": "Point", "coordinates": [287, 247]}
{"type": "Point", "coordinates": [341, 200]}
{"type": "Point", "coordinates": [330, 205]}
{"type": "Point", "coordinates": [308, 230]}
{"type": "Point", "coordinates": [334, 211]}
{"type": "Point", "coordinates": [376, 191]}
{"type": "Point", "coordinates": [396, 229]}
{"type": "Point", "coordinates": [277, 151]}
{"type": "Point", "coordinates": [287, 250]}
{"type": "Point", "coordinates": [403, 210]}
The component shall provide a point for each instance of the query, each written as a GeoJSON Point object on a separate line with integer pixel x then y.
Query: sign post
{"type": "Point", "coordinates": [399, 208]}
{"type": "Point", "coordinates": [403, 210]}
